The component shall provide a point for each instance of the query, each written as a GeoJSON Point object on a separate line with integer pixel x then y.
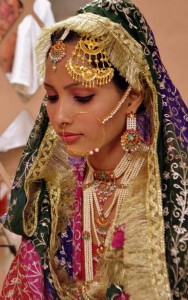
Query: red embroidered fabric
{"type": "Point", "coordinates": [25, 277]}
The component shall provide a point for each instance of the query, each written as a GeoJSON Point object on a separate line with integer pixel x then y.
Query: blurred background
{"type": "Point", "coordinates": [21, 94]}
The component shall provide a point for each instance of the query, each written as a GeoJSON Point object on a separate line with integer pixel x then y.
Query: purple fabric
{"type": "Point", "coordinates": [174, 110]}
{"type": "Point", "coordinates": [65, 253]}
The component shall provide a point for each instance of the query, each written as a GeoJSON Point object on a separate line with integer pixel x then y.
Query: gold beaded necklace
{"type": "Point", "coordinates": [95, 218]}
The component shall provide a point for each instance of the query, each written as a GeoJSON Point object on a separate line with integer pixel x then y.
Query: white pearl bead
{"type": "Point", "coordinates": [91, 152]}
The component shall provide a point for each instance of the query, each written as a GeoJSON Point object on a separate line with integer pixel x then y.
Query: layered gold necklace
{"type": "Point", "coordinates": [99, 187]}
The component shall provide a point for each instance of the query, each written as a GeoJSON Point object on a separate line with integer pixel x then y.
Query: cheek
{"type": "Point", "coordinates": [115, 126]}
{"type": "Point", "coordinates": [50, 112]}
{"type": "Point", "coordinates": [87, 122]}
{"type": "Point", "coordinates": [109, 105]}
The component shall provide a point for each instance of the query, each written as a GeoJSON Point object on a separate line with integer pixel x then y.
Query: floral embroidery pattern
{"type": "Point", "coordinates": [25, 278]}
{"type": "Point", "coordinates": [116, 6]}
{"type": "Point", "coordinates": [77, 219]}
{"type": "Point", "coordinates": [65, 253]}
{"type": "Point", "coordinates": [175, 131]}
{"type": "Point", "coordinates": [175, 187]}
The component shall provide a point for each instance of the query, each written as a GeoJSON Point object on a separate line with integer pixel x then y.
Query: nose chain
{"type": "Point", "coordinates": [96, 148]}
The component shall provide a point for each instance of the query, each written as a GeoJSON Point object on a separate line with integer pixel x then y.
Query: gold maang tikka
{"type": "Point", "coordinates": [58, 50]}
{"type": "Point", "coordinates": [89, 64]}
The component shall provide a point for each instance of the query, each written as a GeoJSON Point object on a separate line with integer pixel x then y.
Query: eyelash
{"type": "Point", "coordinates": [79, 99]}
{"type": "Point", "coordinates": [52, 98]}
{"type": "Point", "coordinates": [85, 99]}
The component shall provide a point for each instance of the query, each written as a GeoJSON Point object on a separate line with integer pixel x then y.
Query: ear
{"type": "Point", "coordinates": [134, 100]}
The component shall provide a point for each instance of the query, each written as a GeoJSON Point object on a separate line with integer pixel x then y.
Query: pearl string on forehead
{"type": "Point", "coordinates": [118, 106]}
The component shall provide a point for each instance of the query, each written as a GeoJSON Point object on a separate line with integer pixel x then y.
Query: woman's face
{"type": "Point", "coordinates": [76, 112]}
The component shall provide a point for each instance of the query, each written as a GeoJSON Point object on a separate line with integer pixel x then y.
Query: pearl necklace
{"type": "Point", "coordinates": [128, 168]}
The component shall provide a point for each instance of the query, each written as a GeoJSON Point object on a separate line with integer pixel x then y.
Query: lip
{"type": "Point", "coordinates": [69, 137]}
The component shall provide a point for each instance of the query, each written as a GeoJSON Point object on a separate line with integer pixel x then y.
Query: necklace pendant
{"type": "Point", "coordinates": [101, 249]}
{"type": "Point", "coordinates": [102, 220]}
{"type": "Point", "coordinates": [102, 225]}
{"type": "Point", "coordinates": [103, 176]}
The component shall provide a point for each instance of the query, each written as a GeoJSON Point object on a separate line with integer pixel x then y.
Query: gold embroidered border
{"type": "Point", "coordinates": [155, 213]}
{"type": "Point", "coordinates": [32, 182]}
{"type": "Point", "coordinates": [64, 291]}
{"type": "Point", "coordinates": [127, 56]}
{"type": "Point", "coordinates": [149, 261]}
{"type": "Point", "coordinates": [51, 165]}
{"type": "Point", "coordinates": [60, 182]}
{"type": "Point", "coordinates": [131, 268]}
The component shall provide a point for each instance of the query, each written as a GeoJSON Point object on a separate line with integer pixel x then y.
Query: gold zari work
{"type": "Point", "coordinates": [142, 209]}
{"type": "Point", "coordinates": [89, 64]}
{"type": "Point", "coordinates": [32, 186]}
{"type": "Point", "coordinates": [126, 57]}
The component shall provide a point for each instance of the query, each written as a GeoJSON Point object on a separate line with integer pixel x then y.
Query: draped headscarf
{"type": "Point", "coordinates": [41, 182]}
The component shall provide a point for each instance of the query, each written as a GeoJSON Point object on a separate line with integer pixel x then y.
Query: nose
{"type": "Point", "coordinates": [63, 111]}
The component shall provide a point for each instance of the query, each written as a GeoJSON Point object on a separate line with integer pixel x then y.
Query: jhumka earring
{"type": "Point", "coordinates": [58, 50]}
{"type": "Point", "coordinates": [130, 139]}
{"type": "Point", "coordinates": [89, 64]}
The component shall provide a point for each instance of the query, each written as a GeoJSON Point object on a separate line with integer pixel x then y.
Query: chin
{"type": "Point", "coordinates": [71, 154]}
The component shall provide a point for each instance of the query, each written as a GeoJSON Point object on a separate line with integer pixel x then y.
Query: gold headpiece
{"type": "Point", "coordinates": [89, 64]}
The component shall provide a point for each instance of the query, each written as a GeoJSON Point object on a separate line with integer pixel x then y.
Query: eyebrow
{"type": "Point", "coordinates": [65, 87]}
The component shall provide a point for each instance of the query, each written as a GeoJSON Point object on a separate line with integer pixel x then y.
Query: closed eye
{"type": "Point", "coordinates": [52, 98]}
{"type": "Point", "coordinates": [84, 99]}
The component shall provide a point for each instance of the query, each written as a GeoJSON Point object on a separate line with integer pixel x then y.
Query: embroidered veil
{"type": "Point", "coordinates": [44, 186]}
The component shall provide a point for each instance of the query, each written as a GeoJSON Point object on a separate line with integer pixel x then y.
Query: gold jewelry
{"type": "Point", "coordinates": [104, 185]}
{"type": "Point", "coordinates": [130, 139]}
{"type": "Point", "coordinates": [57, 53]}
{"type": "Point", "coordinates": [58, 50]}
{"type": "Point", "coordinates": [128, 168]}
{"type": "Point", "coordinates": [90, 151]}
{"type": "Point", "coordinates": [118, 106]}
{"type": "Point", "coordinates": [89, 64]}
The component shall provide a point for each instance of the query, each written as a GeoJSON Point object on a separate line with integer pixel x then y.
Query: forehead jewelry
{"type": "Point", "coordinates": [118, 106]}
{"type": "Point", "coordinates": [58, 50]}
{"type": "Point", "coordinates": [89, 64]}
